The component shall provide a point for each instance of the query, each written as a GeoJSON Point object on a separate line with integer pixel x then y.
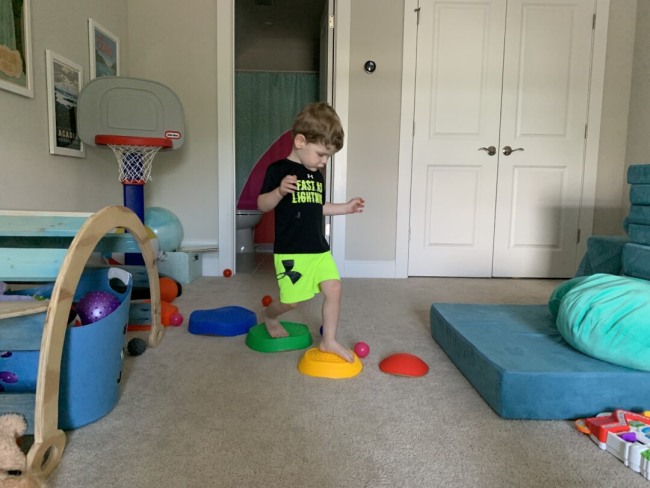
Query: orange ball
{"type": "Point", "coordinates": [168, 289]}
{"type": "Point", "coordinates": [227, 272]}
{"type": "Point", "coordinates": [266, 300]}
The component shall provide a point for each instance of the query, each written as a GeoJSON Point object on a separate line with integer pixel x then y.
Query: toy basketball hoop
{"type": "Point", "coordinates": [134, 155]}
{"type": "Point", "coordinates": [136, 119]}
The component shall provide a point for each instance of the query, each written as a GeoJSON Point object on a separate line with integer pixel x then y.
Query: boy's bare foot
{"type": "Point", "coordinates": [274, 328]}
{"type": "Point", "coordinates": [338, 349]}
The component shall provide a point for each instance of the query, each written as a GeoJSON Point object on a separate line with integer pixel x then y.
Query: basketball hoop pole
{"type": "Point", "coordinates": [134, 198]}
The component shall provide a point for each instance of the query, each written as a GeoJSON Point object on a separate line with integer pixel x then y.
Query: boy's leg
{"type": "Point", "coordinates": [331, 290]}
{"type": "Point", "coordinates": [271, 321]}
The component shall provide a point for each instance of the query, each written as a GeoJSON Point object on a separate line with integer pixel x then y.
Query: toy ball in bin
{"type": "Point", "coordinates": [96, 305]}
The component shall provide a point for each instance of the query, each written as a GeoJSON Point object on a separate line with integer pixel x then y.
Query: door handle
{"type": "Point", "coordinates": [491, 150]}
{"type": "Point", "coordinates": [507, 150]}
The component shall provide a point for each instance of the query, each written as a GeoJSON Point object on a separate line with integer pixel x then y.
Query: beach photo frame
{"type": "Point", "coordinates": [104, 49]}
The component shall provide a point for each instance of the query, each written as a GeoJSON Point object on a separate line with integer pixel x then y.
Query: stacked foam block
{"type": "Point", "coordinates": [636, 253]}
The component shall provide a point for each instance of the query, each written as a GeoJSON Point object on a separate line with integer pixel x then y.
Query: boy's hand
{"type": "Point", "coordinates": [356, 205]}
{"type": "Point", "coordinates": [288, 185]}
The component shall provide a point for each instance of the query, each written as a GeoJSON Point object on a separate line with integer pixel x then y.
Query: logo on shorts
{"type": "Point", "coordinates": [294, 276]}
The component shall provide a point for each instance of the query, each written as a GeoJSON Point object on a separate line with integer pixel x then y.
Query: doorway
{"type": "Point", "coordinates": [278, 58]}
{"type": "Point", "coordinates": [498, 210]}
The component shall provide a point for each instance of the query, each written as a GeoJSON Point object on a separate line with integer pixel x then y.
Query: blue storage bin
{"type": "Point", "coordinates": [92, 357]}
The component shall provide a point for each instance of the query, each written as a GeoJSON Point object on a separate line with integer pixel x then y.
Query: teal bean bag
{"type": "Point", "coordinates": [606, 317]}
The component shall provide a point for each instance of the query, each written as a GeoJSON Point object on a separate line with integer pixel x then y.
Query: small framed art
{"type": "Point", "coordinates": [64, 82]}
{"type": "Point", "coordinates": [16, 47]}
{"type": "Point", "coordinates": [104, 51]}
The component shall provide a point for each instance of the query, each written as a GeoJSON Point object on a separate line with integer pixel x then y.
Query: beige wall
{"type": "Point", "coordinates": [610, 185]}
{"type": "Point", "coordinates": [31, 178]}
{"type": "Point", "coordinates": [373, 132]}
{"type": "Point", "coordinates": [638, 135]}
{"type": "Point", "coordinates": [176, 46]}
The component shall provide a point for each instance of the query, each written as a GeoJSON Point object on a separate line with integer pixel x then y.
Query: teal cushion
{"type": "Point", "coordinates": [555, 300]}
{"type": "Point", "coordinates": [606, 317]}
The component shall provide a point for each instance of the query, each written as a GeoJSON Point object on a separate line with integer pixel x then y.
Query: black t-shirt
{"type": "Point", "coordinates": [299, 215]}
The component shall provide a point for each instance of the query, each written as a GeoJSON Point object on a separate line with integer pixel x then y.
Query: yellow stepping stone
{"type": "Point", "coordinates": [315, 362]}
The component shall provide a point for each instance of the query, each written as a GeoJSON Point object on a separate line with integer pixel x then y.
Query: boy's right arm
{"type": "Point", "coordinates": [268, 201]}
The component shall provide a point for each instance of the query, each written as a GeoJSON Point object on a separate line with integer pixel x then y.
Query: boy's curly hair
{"type": "Point", "coordinates": [319, 123]}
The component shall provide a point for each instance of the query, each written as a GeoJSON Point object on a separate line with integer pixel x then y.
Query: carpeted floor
{"type": "Point", "coordinates": [201, 411]}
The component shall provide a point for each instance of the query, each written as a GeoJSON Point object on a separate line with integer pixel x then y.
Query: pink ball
{"type": "Point", "coordinates": [361, 349]}
{"type": "Point", "coordinates": [176, 319]}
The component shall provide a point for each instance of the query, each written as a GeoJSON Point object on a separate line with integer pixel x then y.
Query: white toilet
{"type": "Point", "coordinates": [245, 222]}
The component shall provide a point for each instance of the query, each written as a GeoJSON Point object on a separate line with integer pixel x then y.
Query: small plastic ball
{"type": "Point", "coordinates": [266, 300]}
{"type": "Point", "coordinates": [136, 346]}
{"type": "Point", "coordinates": [176, 319]}
{"type": "Point", "coordinates": [168, 289]}
{"type": "Point", "coordinates": [96, 305]}
{"type": "Point", "coordinates": [166, 226]}
{"type": "Point", "coordinates": [361, 349]}
{"type": "Point", "coordinates": [227, 272]}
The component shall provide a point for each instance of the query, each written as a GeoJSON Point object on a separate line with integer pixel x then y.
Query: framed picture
{"type": "Point", "coordinates": [104, 51]}
{"type": "Point", "coordinates": [64, 82]}
{"type": "Point", "coordinates": [16, 47]}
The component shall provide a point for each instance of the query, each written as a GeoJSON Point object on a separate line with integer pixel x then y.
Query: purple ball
{"type": "Point", "coordinates": [8, 377]}
{"type": "Point", "coordinates": [96, 305]}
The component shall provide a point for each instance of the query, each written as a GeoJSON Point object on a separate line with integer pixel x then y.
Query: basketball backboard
{"type": "Point", "coordinates": [129, 107]}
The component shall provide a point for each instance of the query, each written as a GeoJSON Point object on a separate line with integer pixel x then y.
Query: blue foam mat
{"type": "Point", "coordinates": [519, 363]}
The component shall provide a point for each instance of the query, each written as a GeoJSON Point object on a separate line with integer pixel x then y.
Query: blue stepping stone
{"type": "Point", "coordinates": [222, 321]}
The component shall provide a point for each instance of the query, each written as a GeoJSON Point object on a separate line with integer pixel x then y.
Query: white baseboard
{"type": "Point", "coordinates": [368, 269]}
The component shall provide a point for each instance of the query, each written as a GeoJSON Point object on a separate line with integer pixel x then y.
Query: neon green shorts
{"type": "Point", "coordinates": [300, 275]}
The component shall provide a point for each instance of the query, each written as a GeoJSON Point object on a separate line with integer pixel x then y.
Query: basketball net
{"type": "Point", "coordinates": [134, 162]}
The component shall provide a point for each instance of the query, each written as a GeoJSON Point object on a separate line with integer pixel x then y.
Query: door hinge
{"type": "Point", "coordinates": [417, 12]}
{"type": "Point", "coordinates": [331, 22]}
{"type": "Point", "coordinates": [586, 130]}
{"type": "Point", "coordinates": [593, 23]}
{"type": "Point", "coordinates": [409, 236]}
{"type": "Point", "coordinates": [578, 236]}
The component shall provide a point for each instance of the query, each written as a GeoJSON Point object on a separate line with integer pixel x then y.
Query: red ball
{"type": "Point", "coordinates": [227, 272]}
{"type": "Point", "coordinates": [266, 300]}
{"type": "Point", "coordinates": [361, 349]}
{"type": "Point", "coordinates": [176, 319]}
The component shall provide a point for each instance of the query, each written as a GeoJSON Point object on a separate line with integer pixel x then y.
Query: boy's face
{"type": "Point", "coordinates": [312, 155]}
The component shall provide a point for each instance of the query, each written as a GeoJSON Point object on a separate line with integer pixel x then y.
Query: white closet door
{"type": "Point", "coordinates": [489, 79]}
{"type": "Point", "coordinates": [457, 111]}
{"type": "Point", "coordinates": [547, 65]}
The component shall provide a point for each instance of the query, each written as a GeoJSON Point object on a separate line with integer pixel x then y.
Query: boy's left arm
{"type": "Point", "coordinates": [355, 205]}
